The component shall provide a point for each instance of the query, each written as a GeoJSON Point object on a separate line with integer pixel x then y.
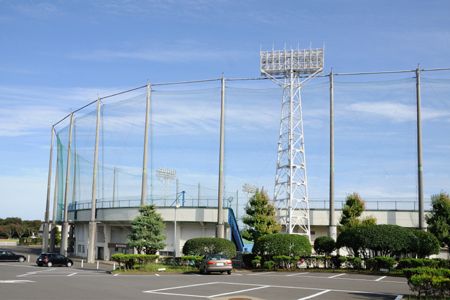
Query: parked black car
{"type": "Point", "coordinates": [6, 255]}
{"type": "Point", "coordinates": [53, 259]}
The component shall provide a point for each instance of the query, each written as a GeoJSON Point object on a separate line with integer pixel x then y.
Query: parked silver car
{"type": "Point", "coordinates": [216, 263]}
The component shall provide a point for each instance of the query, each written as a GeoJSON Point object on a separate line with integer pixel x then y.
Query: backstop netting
{"type": "Point", "coordinates": [375, 142]}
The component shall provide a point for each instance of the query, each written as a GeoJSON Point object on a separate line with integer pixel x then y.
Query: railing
{"type": "Point", "coordinates": [136, 203]}
{"type": "Point", "coordinates": [394, 205]}
{"type": "Point", "coordinates": [402, 205]}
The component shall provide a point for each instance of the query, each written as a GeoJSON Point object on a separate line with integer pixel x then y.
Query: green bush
{"type": "Point", "coordinates": [443, 263]}
{"type": "Point", "coordinates": [129, 260]}
{"type": "Point", "coordinates": [282, 261]}
{"type": "Point", "coordinates": [417, 262]}
{"type": "Point", "coordinates": [354, 263]}
{"type": "Point", "coordinates": [187, 260]}
{"type": "Point", "coordinates": [378, 240]}
{"type": "Point", "coordinates": [283, 244]}
{"type": "Point", "coordinates": [205, 246]}
{"type": "Point", "coordinates": [380, 262]}
{"type": "Point", "coordinates": [427, 281]}
{"type": "Point", "coordinates": [247, 259]}
{"type": "Point", "coordinates": [324, 245]}
{"type": "Point", "coordinates": [337, 261]}
{"type": "Point", "coordinates": [426, 244]}
{"type": "Point", "coordinates": [426, 270]}
{"type": "Point", "coordinates": [269, 265]}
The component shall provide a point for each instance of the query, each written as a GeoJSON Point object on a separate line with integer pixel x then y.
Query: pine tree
{"type": "Point", "coordinates": [260, 217]}
{"type": "Point", "coordinates": [147, 231]}
{"type": "Point", "coordinates": [438, 219]}
{"type": "Point", "coordinates": [354, 207]}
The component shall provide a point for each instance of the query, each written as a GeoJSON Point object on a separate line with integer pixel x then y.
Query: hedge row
{"type": "Point", "coordinates": [423, 262]}
{"type": "Point", "coordinates": [387, 240]}
{"type": "Point", "coordinates": [425, 281]}
{"type": "Point", "coordinates": [129, 260]}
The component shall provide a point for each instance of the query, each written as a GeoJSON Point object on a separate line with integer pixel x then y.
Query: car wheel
{"type": "Point", "coordinates": [69, 264]}
{"type": "Point", "coordinates": [49, 264]}
{"type": "Point", "coordinates": [21, 259]}
{"type": "Point", "coordinates": [229, 272]}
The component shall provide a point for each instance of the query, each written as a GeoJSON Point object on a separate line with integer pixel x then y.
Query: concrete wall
{"type": "Point", "coordinates": [114, 225]}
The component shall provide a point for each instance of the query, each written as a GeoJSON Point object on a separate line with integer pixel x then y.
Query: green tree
{"type": "Point", "coordinates": [324, 245]}
{"type": "Point", "coordinates": [351, 213]}
{"type": "Point", "coordinates": [147, 231]}
{"type": "Point", "coordinates": [260, 217]}
{"type": "Point", "coordinates": [438, 219]}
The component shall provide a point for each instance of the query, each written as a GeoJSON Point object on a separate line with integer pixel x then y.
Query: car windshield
{"type": "Point", "coordinates": [216, 257]}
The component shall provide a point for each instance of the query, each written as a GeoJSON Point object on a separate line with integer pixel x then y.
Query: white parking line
{"type": "Point", "coordinates": [71, 274]}
{"type": "Point", "coordinates": [381, 278]}
{"type": "Point", "coordinates": [315, 295]}
{"type": "Point", "coordinates": [321, 291]}
{"type": "Point", "coordinates": [261, 274]}
{"type": "Point", "coordinates": [180, 287]}
{"type": "Point", "coordinates": [296, 274]}
{"type": "Point", "coordinates": [157, 275]}
{"type": "Point", "coordinates": [15, 281]}
{"type": "Point", "coordinates": [116, 274]}
{"type": "Point", "coordinates": [334, 276]}
{"type": "Point", "coordinates": [240, 291]}
{"type": "Point", "coordinates": [399, 297]}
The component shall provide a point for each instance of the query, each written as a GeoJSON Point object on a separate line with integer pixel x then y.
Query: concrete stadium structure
{"type": "Point", "coordinates": [186, 222]}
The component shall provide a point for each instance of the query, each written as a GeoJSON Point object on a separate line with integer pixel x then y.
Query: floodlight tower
{"type": "Point", "coordinates": [291, 69]}
{"type": "Point", "coordinates": [166, 175]}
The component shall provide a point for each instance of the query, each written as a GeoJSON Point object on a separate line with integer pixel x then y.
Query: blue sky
{"type": "Point", "coordinates": [56, 56]}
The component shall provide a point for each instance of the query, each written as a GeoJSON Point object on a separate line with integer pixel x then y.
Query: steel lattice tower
{"type": "Point", "coordinates": [291, 69]}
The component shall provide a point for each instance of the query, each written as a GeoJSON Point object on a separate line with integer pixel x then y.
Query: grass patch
{"type": "Point", "coordinates": [153, 268]}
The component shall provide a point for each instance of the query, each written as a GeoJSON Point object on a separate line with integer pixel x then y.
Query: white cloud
{"type": "Point", "coordinates": [27, 110]}
{"type": "Point", "coordinates": [396, 112]}
{"type": "Point", "coordinates": [169, 55]}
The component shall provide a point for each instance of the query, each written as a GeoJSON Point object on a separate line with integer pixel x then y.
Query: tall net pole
{"type": "Point", "coordinates": [291, 69]}
{"type": "Point", "coordinates": [92, 222]}
{"type": "Point", "coordinates": [65, 225]}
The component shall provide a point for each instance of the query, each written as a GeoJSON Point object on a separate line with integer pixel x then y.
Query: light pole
{"type": "Point", "coordinates": [175, 239]}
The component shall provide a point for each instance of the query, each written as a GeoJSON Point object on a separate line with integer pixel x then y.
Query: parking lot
{"type": "Point", "coordinates": [26, 281]}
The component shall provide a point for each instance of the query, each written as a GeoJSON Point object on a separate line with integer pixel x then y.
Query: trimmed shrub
{"type": "Point", "coordinates": [269, 264]}
{"type": "Point", "coordinates": [378, 240]}
{"type": "Point", "coordinates": [324, 245]}
{"type": "Point", "coordinates": [417, 262]}
{"type": "Point", "coordinates": [282, 244]}
{"type": "Point", "coordinates": [205, 246]}
{"type": "Point", "coordinates": [428, 281]}
{"type": "Point", "coordinates": [380, 262]}
{"type": "Point", "coordinates": [247, 259]}
{"type": "Point", "coordinates": [426, 244]}
{"type": "Point", "coordinates": [337, 261]}
{"type": "Point", "coordinates": [282, 261]}
{"type": "Point", "coordinates": [129, 260]}
{"type": "Point", "coordinates": [354, 263]}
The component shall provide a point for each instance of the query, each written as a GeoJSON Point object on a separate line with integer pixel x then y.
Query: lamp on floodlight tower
{"type": "Point", "coordinates": [291, 69]}
{"type": "Point", "coordinates": [166, 175]}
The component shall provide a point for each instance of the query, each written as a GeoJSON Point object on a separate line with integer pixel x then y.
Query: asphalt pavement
{"type": "Point", "coordinates": [23, 281]}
